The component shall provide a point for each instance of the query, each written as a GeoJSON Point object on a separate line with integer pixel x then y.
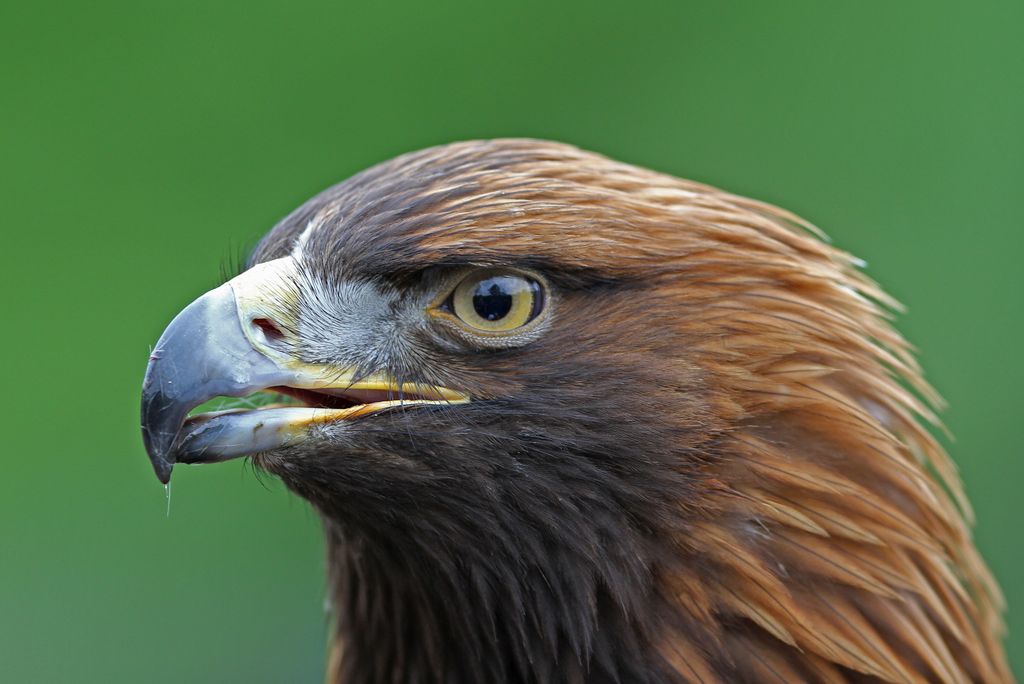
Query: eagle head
{"type": "Point", "coordinates": [567, 420]}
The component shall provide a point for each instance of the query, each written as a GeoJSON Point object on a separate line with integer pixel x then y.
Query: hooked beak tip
{"type": "Point", "coordinates": [162, 469]}
{"type": "Point", "coordinates": [158, 447]}
{"type": "Point", "coordinates": [161, 419]}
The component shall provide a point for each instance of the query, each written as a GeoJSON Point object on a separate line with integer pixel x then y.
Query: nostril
{"type": "Point", "coordinates": [270, 331]}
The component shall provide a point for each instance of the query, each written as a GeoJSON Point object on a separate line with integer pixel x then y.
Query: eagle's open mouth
{"type": "Point", "coordinates": [343, 401]}
{"type": "Point", "coordinates": [281, 416]}
{"type": "Point", "coordinates": [349, 398]}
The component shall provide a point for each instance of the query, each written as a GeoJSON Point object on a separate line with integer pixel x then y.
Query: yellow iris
{"type": "Point", "coordinates": [496, 301]}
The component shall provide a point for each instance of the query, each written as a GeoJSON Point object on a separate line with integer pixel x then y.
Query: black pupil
{"type": "Point", "coordinates": [492, 298]}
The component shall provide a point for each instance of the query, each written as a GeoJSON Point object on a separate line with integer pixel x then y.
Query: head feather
{"type": "Point", "coordinates": [825, 532]}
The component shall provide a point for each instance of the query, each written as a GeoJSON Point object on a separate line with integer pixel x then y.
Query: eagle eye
{"type": "Point", "coordinates": [496, 301]}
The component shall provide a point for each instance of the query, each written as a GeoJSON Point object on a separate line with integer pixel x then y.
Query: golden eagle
{"type": "Point", "coordinates": [570, 420]}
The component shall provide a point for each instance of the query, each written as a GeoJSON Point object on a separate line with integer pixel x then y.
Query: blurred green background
{"type": "Point", "coordinates": [144, 145]}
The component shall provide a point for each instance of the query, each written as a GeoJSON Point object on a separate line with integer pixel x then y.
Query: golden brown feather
{"type": "Point", "coordinates": [837, 525]}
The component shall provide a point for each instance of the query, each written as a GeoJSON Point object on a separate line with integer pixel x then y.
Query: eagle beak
{"type": "Point", "coordinates": [219, 346]}
{"type": "Point", "coordinates": [203, 354]}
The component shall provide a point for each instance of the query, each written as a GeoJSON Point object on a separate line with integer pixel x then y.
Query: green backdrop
{"type": "Point", "coordinates": [144, 145]}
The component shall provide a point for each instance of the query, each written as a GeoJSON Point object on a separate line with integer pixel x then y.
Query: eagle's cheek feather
{"type": "Point", "coordinates": [695, 451]}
